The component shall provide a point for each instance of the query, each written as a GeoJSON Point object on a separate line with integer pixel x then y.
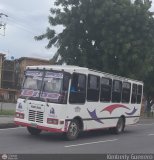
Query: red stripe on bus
{"type": "Point", "coordinates": [39, 127]}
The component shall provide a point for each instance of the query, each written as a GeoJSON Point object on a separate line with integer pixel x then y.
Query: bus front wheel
{"type": "Point", "coordinates": [33, 131]}
{"type": "Point", "coordinates": [73, 130]}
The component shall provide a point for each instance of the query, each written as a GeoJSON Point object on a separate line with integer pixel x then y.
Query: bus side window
{"type": "Point", "coordinates": [126, 87]}
{"type": "Point", "coordinates": [134, 93]}
{"type": "Point", "coordinates": [139, 93]}
{"type": "Point", "coordinates": [93, 88]}
{"type": "Point", "coordinates": [106, 85]}
{"type": "Point", "coordinates": [116, 91]}
{"type": "Point", "coordinates": [78, 88]}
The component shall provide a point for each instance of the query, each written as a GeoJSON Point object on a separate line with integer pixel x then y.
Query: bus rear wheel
{"type": "Point", "coordinates": [33, 131]}
{"type": "Point", "coordinates": [73, 130]}
{"type": "Point", "coordinates": [119, 127]}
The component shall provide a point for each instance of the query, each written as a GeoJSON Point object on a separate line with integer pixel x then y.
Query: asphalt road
{"type": "Point", "coordinates": [137, 138]}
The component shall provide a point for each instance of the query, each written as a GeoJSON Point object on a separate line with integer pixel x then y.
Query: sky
{"type": "Point", "coordinates": [26, 19]}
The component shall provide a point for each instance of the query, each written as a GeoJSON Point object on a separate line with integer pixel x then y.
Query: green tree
{"type": "Point", "coordinates": [114, 36]}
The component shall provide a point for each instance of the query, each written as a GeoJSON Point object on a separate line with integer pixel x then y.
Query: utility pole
{"type": "Point", "coordinates": [2, 24]}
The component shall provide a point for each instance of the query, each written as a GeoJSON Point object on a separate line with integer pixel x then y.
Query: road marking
{"type": "Point", "coordinates": [140, 124]}
{"type": "Point", "coordinates": [82, 144]}
{"type": "Point", "coordinates": [150, 134]}
{"type": "Point", "coordinates": [5, 129]}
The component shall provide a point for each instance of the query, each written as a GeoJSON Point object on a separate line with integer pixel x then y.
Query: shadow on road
{"type": "Point", "coordinates": [58, 137]}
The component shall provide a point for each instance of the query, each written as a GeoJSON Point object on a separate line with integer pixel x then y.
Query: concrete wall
{"type": "Point", "coordinates": [7, 106]}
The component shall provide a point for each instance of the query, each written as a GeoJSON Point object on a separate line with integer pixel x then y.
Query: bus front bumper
{"type": "Point", "coordinates": [44, 128]}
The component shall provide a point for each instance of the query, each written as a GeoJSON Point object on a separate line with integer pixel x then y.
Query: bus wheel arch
{"type": "Point", "coordinates": [80, 121]}
{"type": "Point", "coordinates": [120, 126]}
{"type": "Point", "coordinates": [124, 119]}
{"type": "Point", "coordinates": [34, 131]}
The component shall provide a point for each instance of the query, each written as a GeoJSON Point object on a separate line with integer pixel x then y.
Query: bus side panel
{"type": "Point", "coordinates": [96, 115]}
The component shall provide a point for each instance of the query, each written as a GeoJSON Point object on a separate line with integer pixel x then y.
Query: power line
{"type": "Point", "coordinates": [2, 24]}
{"type": "Point", "coordinates": [22, 27]}
{"type": "Point", "coordinates": [19, 24]}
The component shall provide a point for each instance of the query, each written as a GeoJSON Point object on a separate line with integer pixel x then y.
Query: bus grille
{"type": "Point", "coordinates": [35, 116]}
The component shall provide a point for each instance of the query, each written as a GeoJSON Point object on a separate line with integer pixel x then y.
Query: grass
{"type": "Point", "coordinates": [7, 112]}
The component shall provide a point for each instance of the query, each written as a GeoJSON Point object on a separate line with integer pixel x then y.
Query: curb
{"type": "Point", "coordinates": [147, 118]}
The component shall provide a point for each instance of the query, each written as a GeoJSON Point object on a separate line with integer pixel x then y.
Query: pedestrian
{"type": "Point", "coordinates": [145, 105]}
{"type": "Point", "coordinates": [152, 106]}
{"type": "Point", "coordinates": [149, 100]}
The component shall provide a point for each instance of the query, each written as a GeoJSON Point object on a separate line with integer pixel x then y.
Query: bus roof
{"type": "Point", "coordinates": [68, 68]}
{"type": "Point", "coordinates": [71, 69]}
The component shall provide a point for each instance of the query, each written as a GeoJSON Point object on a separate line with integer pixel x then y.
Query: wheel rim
{"type": "Point", "coordinates": [73, 130]}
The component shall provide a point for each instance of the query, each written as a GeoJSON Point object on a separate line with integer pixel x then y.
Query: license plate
{"type": "Point", "coordinates": [34, 125]}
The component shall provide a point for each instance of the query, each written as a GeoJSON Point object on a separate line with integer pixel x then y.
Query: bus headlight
{"type": "Point", "coordinates": [20, 115]}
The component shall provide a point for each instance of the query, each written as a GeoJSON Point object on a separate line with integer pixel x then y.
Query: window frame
{"type": "Point", "coordinates": [110, 85]}
{"type": "Point", "coordinates": [77, 92]}
{"type": "Point", "coordinates": [123, 93]}
{"type": "Point", "coordinates": [133, 94]}
{"type": "Point", "coordinates": [116, 92]}
{"type": "Point", "coordinates": [139, 94]}
{"type": "Point", "coordinates": [96, 89]}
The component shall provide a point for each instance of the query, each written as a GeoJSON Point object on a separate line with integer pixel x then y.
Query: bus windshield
{"type": "Point", "coordinates": [53, 82]}
{"type": "Point", "coordinates": [51, 86]}
{"type": "Point", "coordinates": [32, 83]}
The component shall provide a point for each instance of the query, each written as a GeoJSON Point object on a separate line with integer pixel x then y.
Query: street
{"type": "Point", "coordinates": [138, 138]}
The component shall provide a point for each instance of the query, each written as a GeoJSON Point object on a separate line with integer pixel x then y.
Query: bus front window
{"type": "Point", "coordinates": [32, 83]}
{"type": "Point", "coordinates": [54, 87]}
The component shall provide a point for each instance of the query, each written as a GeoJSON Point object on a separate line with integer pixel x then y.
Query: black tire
{"type": "Point", "coordinates": [33, 131]}
{"type": "Point", "coordinates": [119, 127]}
{"type": "Point", "coordinates": [73, 130]}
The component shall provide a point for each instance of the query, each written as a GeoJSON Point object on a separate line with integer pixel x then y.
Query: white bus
{"type": "Point", "coordinates": [71, 99]}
